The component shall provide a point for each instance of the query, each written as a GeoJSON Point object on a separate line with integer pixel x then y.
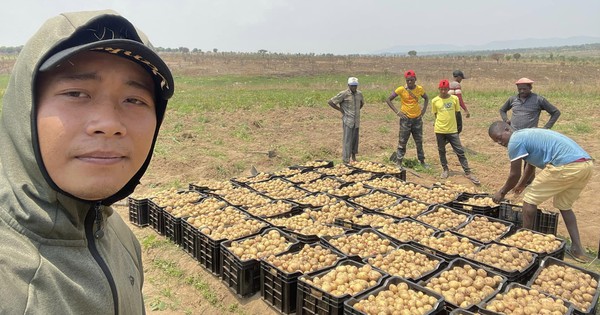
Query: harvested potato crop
{"type": "Point", "coordinates": [372, 220]}
{"type": "Point", "coordinates": [236, 230]}
{"type": "Point", "coordinates": [316, 163]}
{"type": "Point", "coordinates": [522, 300]}
{"type": "Point", "coordinates": [433, 195]}
{"type": "Point", "coordinates": [375, 200]}
{"type": "Point", "coordinates": [404, 263]}
{"type": "Point", "coordinates": [364, 244]}
{"type": "Point", "coordinates": [287, 193]}
{"type": "Point", "coordinates": [214, 184]}
{"type": "Point", "coordinates": [346, 279]}
{"type": "Point", "coordinates": [271, 209]}
{"type": "Point", "coordinates": [356, 178]}
{"type": "Point", "coordinates": [296, 222]}
{"type": "Point", "coordinates": [321, 230]}
{"type": "Point", "coordinates": [483, 229]}
{"type": "Point", "coordinates": [503, 257]}
{"type": "Point", "coordinates": [317, 200]}
{"type": "Point", "coordinates": [406, 231]}
{"type": "Point", "coordinates": [226, 216]}
{"type": "Point", "coordinates": [397, 299]}
{"type": "Point", "coordinates": [568, 283]}
{"type": "Point", "coordinates": [376, 167]}
{"type": "Point", "coordinates": [337, 170]}
{"type": "Point", "coordinates": [465, 285]}
{"type": "Point", "coordinates": [308, 259]}
{"type": "Point", "coordinates": [288, 172]}
{"type": "Point", "coordinates": [477, 202]}
{"type": "Point", "coordinates": [322, 185]}
{"type": "Point", "coordinates": [304, 177]}
{"type": "Point", "coordinates": [171, 198]}
{"type": "Point", "coordinates": [443, 218]}
{"type": "Point", "coordinates": [533, 241]}
{"type": "Point", "coordinates": [243, 197]}
{"type": "Point", "coordinates": [405, 208]}
{"type": "Point", "coordinates": [328, 213]}
{"type": "Point", "coordinates": [386, 183]}
{"type": "Point", "coordinates": [253, 179]}
{"type": "Point", "coordinates": [205, 207]}
{"type": "Point", "coordinates": [458, 188]}
{"type": "Point", "coordinates": [271, 243]}
{"type": "Point", "coordinates": [272, 185]}
{"type": "Point", "coordinates": [349, 191]}
{"type": "Point", "coordinates": [450, 244]}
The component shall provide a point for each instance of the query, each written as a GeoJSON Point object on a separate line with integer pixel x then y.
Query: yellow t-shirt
{"type": "Point", "coordinates": [409, 105]}
{"type": "Point", "coordinates": [445, 108]}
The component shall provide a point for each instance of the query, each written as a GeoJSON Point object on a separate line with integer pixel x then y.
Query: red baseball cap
{"type": "Point", "coordinates": [524, 81]}
{"type": "Point", "coordinates": [444, 84]}
{"type": "Point", "coordinates": [410, 73]}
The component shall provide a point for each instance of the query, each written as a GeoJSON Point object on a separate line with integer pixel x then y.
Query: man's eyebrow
{"type": "Point", "coordinates": [77, 76]}
{"type": "Point", "coordinates": [141, 85]}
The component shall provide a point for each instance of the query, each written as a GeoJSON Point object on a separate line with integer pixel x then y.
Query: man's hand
{"type": "Point", "coordinates": [401, 114]}
{"type": "Point", "coordinates": [519, 189]}
{"type": "Point", "coordinates": [498, 196]}
{"type": "Point", "coordinates": [467, 114]}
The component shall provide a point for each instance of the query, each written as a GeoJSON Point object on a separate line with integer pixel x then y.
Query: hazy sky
{"type": "Point", "coordinates": [321, 26]}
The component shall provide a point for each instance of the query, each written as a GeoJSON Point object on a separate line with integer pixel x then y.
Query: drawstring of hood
{"type": "Point", "coordinates": [99, 233]}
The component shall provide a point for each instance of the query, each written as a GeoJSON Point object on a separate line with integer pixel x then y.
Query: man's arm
{"type": "Point", "coordinates": [336, 107]}
{"type": "Point", "coordinates": [552, 110]}
{"type": "Point", "coordinates": [463, 105]}
{"type": "Point", "coordinates": [459, 122]}
{"type": "Point", "coordinates": [362, 103]}
{"type": "Point", "coordinates": [391, 105]}
{"type": "Point", "coordinates": [529, 171]}
{"type": "Point", "coordinates": [511, 181]}
{"type": "Point", "coordinates": [504, 109]}
{"type": "Point", "coordinates": [425, 103]}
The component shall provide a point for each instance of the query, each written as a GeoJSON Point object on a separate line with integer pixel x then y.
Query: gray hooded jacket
{"type": "Point", "coordinates": [59, 254]}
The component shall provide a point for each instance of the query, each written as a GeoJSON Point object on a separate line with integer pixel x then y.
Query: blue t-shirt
{"type": "Point", "coordinates": [540, 147]}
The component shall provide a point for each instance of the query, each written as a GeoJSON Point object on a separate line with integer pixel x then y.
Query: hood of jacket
{"type": "Point", "coordinates": [29, 200]}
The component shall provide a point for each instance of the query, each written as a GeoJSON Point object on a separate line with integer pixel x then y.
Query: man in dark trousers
{"type": "Point", "coordinates": [349, 102]}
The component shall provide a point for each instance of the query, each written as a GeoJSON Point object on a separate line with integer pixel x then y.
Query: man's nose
{"type": "Point", "coordinates": [105, 119]}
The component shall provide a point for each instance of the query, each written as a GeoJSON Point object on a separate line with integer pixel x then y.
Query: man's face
{"type": "Point", "coordinates": [524, 90]}
{"type": "Point", "coordinates": [458, 79]}
{"type": "Point", "coordinates": [410, 82]}
{"type": "Point", "coordinates": [96, 120]}
{"type": "Point", "coordinates": [444, 92]}
{"type": "Point", "coordinates": [503, 137]}
{"type": "Point", "coordinates": [353, 88]}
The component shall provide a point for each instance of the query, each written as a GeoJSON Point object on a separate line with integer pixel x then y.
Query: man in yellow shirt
{"type": "Point", "coordinates": [410, 114]}
{"type": "Point", "coordinates": [448, 125]}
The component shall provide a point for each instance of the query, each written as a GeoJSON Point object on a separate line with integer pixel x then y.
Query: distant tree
{"type": "Point", "coordinates": [478, 57]}
{"type": "Point", "coordinates": [508, 57]}
{"type": "Point", "coordinates": [517, 56]}
{"type": "Point", "coordinates": [262, 51]}
{"type": "Point", "coordinates": [497, 57]}
{"type": "Point", "coordinates": [215, 50]}
{"type": "Point", "coordinates": [184, 50]}
{"type": "Point", "coordinates": [412, 53]}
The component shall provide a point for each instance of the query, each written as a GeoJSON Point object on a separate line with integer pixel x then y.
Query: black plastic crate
{"type": "Point", "coordinates": [446, 256]}
{"type": "Point", "coordinates": [294, 209]}
{"type": "Point", "coordinates": [460, 311]}
{"type": "Point", "coordinates": [438, 308]}
{"type": "Point", "coordinates": [520, 276]}
{"type": "Point", "coordinates": [156, 218]}
{"type": "Point", "coordinates": [341, 195]}
{"type": "Point", "coordinates": [350, 223]}
{"type": "Point", "coordinates": [483, 310]}
{"type": "Point", "coordinates": [311, 238]}
{"type": "Point", "coordinates": [557, 253]}
{"type": "Point", "coordinates": [545, 222]}
{"type": "Point", "coordinates": [313, 300]}
{"type": "Point", "coordinates": [509, 228]}
{"type": "Point", "coordinates": [279, 288]}
{"type": "Point", "coordinates": [243, 276]}
{"type": "Point", "coordinates": [407, 247]}
{"type": "Point", "coordinates": [382, 236]}
{"type": "Point", "coordinates": [138, 211]}
{"type": "Point", "coordinates": [461, 203]}
{"type": "Point", "coordinates": [412, 239]}
{"type": "Point", "coordinates": [188, 238]}
{"type": "Point", "coordinates": [436, 208]}
{"type": "Point", "coordinates": [172, 227]}
{"type": "Point", "coordinates": [548, 261]}
{"type": "Point", "coordinates": [208, 250]}
{"type": "Point", "coordinates": [460, 262]}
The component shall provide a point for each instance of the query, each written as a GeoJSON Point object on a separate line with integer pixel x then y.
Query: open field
{"type": "Point", "coordinates": [227, 107]}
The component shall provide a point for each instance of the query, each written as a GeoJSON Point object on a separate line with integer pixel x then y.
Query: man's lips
{"type": "Point", "coordinates": [101, 157]}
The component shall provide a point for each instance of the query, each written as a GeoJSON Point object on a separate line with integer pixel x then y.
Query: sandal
{"type": "Point", "coordinates": [577, 259]}
{"type": "Point", "coordinates": [473, 179]}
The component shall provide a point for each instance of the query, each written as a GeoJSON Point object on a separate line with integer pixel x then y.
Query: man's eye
{"type": "Point", "coordinates": [135, 101]}
{"type": "Point", "coordinates": [75, 94]}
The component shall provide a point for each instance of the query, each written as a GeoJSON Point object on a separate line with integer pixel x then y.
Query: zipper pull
{"type": "Point", "coordinates": [99, 230]}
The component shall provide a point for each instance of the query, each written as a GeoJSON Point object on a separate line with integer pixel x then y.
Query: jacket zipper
{"type": "Point", "coordinates": [94, 216]}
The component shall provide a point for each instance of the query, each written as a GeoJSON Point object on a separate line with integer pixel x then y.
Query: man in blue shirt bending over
{"type": "Point", "coordinates": [566, 169]}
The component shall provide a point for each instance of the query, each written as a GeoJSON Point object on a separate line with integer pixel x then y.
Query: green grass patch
{"type": "Point", "coordinates": [168, 267]}
{"type": "Point", "coordinates": [152, 241]}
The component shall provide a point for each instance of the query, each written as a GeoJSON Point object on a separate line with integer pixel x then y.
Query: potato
{"type": "Point", "coordinates": [521, 300]}
{"type": "Point", "coordinates": [308, 259]}
{"type": "Point", "coordinates": [271, 243]}
{"type": "Point", "coordinates": [407, 231]}
{"type": "Point", "coordinates": [364, 244]}
{"type": "Point", "coordinates": [342, 280]}
{"type": "Point", "coordinates": [443, 218]}
{"type": "Point", "coordinates": [533, 241]}
{"type": "Point", "coordinates": [503, 257]}
{"type": "Point", "coordinates": [483, 230]}
{"type": "Point", "coordinates": [568, 283]}
{"type": "Point", "coordinates": [404, 263]}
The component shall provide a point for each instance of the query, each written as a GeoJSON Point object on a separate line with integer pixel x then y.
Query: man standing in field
{"type": "Point", "coordinates": [526, 108]}
{"type": "Point", "coordinates": [455, 89]}
{"type": "Point", "coordinates": [411, 116]}
{"type": "Point", "coordinates": [566, 169]}
{"type": "Point", "coordinates": [448, 125]}
{"type": "Point", "coordinates": [349, 102]}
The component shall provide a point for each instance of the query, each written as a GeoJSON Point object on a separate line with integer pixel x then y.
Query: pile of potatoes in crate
{"type": "Point", "coordinates": [332, 203]}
